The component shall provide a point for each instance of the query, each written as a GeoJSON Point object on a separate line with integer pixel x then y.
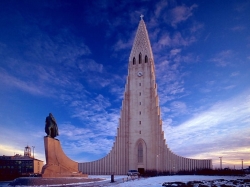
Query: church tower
{"type": "Point", "coordinates": [144, 114]}
{"type": "Point", "coordinates": [140, 142]}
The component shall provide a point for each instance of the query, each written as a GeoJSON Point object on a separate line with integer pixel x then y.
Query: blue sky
{"type": "Point", "coordinates": [71, 58]}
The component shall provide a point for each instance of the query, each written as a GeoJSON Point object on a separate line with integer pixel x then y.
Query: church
{"type": "Point", "coordinates": [140, 142]}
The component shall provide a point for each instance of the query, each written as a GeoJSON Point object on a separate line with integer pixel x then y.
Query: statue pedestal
{"type": "Point", "coordinates": [57, 163]}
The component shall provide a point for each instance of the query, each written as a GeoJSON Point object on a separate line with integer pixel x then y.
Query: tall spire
{"type": "Point", "coordinates": [141, 43]}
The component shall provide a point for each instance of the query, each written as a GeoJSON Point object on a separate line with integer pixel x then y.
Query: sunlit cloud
{"type": "Point", "coordinates": [215, 131]}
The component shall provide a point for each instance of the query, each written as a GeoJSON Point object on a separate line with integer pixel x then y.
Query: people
{"type": "Point", "coordinates": [51, 127]}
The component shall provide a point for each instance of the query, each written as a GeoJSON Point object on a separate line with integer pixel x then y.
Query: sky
{"type": "Point", "coordinates": [70, 58]}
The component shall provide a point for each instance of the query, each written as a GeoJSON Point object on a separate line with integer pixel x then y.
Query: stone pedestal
{"type": "Point", "coordinates": [57, 163]}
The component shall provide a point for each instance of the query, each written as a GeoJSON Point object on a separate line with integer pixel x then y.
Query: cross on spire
{"type": "Point", "coordinates": [141, 16]}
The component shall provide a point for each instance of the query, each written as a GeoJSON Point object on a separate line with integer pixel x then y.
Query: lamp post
{"type": "Point", "coordinates": [33, 151]}
{"type": "Point", "coordinates": [157, 164]}
{"type": "Point", "coordinates": [220, 163]}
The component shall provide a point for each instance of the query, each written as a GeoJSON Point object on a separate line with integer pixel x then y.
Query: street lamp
{"type": "Point", "coordinates": [33, 151]}
{"type": "Point", "coordinates": [157, 164]}
{"type": "Point", "coordinates": [220, 163]}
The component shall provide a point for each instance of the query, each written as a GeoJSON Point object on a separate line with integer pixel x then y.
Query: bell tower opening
{"type": "Point", "coordinates": [134, 61]}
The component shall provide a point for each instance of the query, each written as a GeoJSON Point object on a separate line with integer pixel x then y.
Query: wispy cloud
{"type": "Point", "coordinates": [90, 65]}
{"type": "Point", "coordinates": [159, 8]}
{"type": "Point", "coordinates": [234, 74]}
{"type": "Point", "coordinates": [238, 28]}
{"type": "Point", "coordinates": [27, 86]}
{"type": "Point", "coordinates": [174, 52]}
{"type": "Point", "coordinates": [242, 6]}
{"type": "Point", "coordinates": [229, 87]}
{"type": "Point", "coordinates": [181, 13]}
{"type": "Point", "coordinates": [196, 27]}
{"type": "Point", "coordinates": [223, 58]}
{"type": "Point", "coordinates": [176, 40]}
{"type": "Point", "coordinates": [86, 140]}
{"type": "Point", "coordinates": [178, 108]}
{"type": "Point", "coordinates": [216, 124]}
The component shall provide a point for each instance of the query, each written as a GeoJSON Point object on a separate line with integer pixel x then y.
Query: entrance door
{"type": "Point", "coordinates": [141, 171]}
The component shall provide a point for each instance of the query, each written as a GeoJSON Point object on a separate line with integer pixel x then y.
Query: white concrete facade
{"type": "Point", "coordinates": [140, 142]}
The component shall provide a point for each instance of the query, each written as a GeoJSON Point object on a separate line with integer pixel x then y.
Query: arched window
{"type": "Point", "coordinates": [140, 58]}
{"type": "Point", "coordinates": [140, 153]}
{"type": "Point", "coordinates": [146, 59]}
{"type": "Point", "coordinates": [134, 61]}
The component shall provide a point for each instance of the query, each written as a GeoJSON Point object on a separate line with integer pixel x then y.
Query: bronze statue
{"type": "Point", "coordinates": [51, 126]}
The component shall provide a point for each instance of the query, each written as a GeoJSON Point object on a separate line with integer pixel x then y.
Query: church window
{"type": "Point", "coordinates": [146, 59]}
{"type": "Point", "coordinates": [140, 152]}
{"type": "Point", "coordinates": [139, 84]}
{"type": "Point", "coordinates": [140, 58]}
{"type": "Point", "coordinates": [140, 103]}
{"type": "Point", "coordinates": [140, 132]}
{"type": "Point", "coordinates": [140, 122]}
{"type": "Point", "coordinates": [140, 93]}
{"type": "Point", "coordinates": [134, 61]}
{"type": "Point", "coordinates": [140, 112]}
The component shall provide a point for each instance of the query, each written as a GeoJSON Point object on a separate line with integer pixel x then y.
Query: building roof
{"type": "Point", "coordinates": [18, 157]}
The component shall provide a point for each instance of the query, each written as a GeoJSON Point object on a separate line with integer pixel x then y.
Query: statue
{"type": "Point", "coordinates": [51, 127]}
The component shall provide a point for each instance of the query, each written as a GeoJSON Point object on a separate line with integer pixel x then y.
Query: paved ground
{"type": "Point", "coordinates": [36, 181]}
{"type": "Point", "coordinates": [91, 181]}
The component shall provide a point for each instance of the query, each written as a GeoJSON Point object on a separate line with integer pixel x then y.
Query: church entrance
{"type": "Point", "coordinates": [141, 171]}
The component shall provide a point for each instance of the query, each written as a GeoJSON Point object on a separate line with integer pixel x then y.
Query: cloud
{"type": "Point", "coordinates": [234, 74]}
{"type": "Point", "coordinates": [78, 141]}
{"type": "Point", "coordinates": [238, 28]}
{"type": "Point", "coordinates": [229, 87]}
{"type": "Point", "coordinates": [121, 44]}
{"type": "Point", "coordinates": [174, 52]}
{"type": "Point", "coordinates": [159, 7]}
{"type": "Point", "coordinates": [242, 6]}
{"type": "Point", "coordinates": [196, 27]}
{"type": "Point", "coordinates": [207, 36]}
{"type": "Point", "coordinates": [89, 65]}
{"type": "Point", "coordinates": [209, 131]}
{"type": "Point", "coordinates": [223, 58]}
{"type": "Point", "coordinates": [170, 84]}
{"type": "Point", "coordinates": [205, 90]}
{"type": "Point", "coordinates": [21, 138]}
{"type": "Point", "coordinates": [29, 86]}
{"type": "Point", "coordinates": [177, 40]}
{"type": "Point", "coordinates": [179, 107]}
{"type": "Point", "coordinates": [181, 13]}
{"type": "Point", "coordinates": [64, 48]}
